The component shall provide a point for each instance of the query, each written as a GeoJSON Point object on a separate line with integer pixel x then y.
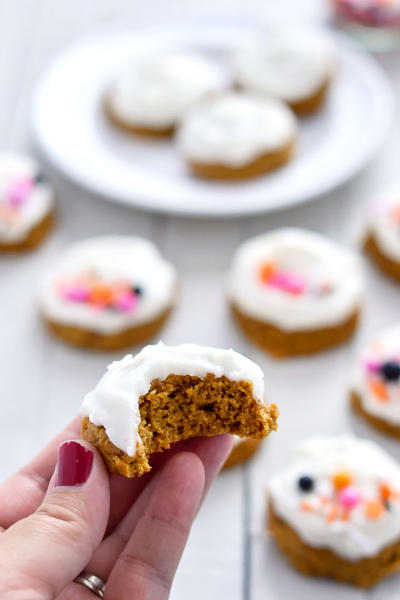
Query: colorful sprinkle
{"type": "Point", "coordinates": [385, 491]}
{"type": "Point", "coordinates": [374, 509]}
{"type": "Point", "coordinates": [378, 389]}
{"type": "Point", "coordinates": [349, 497]}
{"type": "Point", "coordinates": [20, 190]}
{"type": "Point", "coordinates": [342, 479]}
{"type": "Point", "coordinates": [390, 370]}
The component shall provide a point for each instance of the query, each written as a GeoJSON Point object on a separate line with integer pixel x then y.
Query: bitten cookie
{"type": "Point", "coordinates": [375, 391]}
{"type": "Point", "coordinates": [26, 203]}
{"type": "Point", "coordinates": [334, 511]}
{"type": "Point", "coordinates": [295, 292]}
{"type": "Point", "coordinates": [243, 449]}
{"type": "Point", "coordinates": [235, 135]}
{"type": "Point", "coordinates": [292, 64]}
{"type": "Point", "coordinates": [108, 292]}
{"type": "Point", "coordinates": [151, 95]}
{"type": "Point", "coordinates": [163, 395]}
{"type": "Point", "coordinates": [382, 241]}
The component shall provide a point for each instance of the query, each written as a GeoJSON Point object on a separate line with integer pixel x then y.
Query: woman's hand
{"type": "Point", "coordinates": [59, 521]}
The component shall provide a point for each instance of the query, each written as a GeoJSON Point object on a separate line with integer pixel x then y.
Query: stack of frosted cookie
{"type": "Point", "coordinates": [230, 121]}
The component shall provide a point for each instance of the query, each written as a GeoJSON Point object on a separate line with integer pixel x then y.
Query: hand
{"type": "Point", "coordinates": [57, 521]}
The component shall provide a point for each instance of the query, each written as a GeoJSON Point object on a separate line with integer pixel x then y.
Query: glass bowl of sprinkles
{"type": "Point", "coordinates": [374, 23]}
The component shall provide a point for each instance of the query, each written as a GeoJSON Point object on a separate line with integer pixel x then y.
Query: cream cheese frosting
{"type": "Point", "coordinates": [154, 91]}
{"type": "Point", "coordinates": [384, 222]}
{"type": "Point", "coordinates": [235, 128]}
{"type": "Point", "coordinates": [296, 280]}
{"type": "Point", "coordinates": [108, 284]}
{"type": "Point", "coordinates": [377, 376]}
{"type": "Point", "coordinates": [114, 403]}
{"type": "Point", "coordinates": [288, 63]}
{"type": "Point", "coordinates": [26, 198]}
{"type": "Point", "coordinates": [340, 493]}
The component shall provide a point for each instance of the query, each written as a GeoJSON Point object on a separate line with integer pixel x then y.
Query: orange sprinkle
{"type": "Point", "coordinates": [342, 479]}
{"type": "Point", "coordinates": [333, 513]}
{"type": "Point", "coordinates": [395, 213]}
{"type": "Point", "coordinates": [324, 500]}
{"type": "Point", "coordinates": [385, 491]}
{"type": "Point", "coordinates": [306, 506]}
{"type": "Point", "coordinates": [374, 509]}
{"type": "Point", "coordinates": [345, 516]}
{"type": "Point", "coordinates": [101, 293]}
{"type": "Point", "coordinates": [267, 269]}
{"type": "Point", "coordinates": [379, 389]}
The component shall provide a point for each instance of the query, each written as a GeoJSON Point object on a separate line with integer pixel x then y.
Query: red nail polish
{"type": "Point", "coordinates": [74, 464]}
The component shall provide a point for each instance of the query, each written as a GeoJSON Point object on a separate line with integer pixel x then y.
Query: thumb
{"type": "Point", "coordinates": [47, 550]}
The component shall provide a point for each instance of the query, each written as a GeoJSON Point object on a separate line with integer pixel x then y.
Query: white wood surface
{"type": "Point", "coordinates": [42, 381]}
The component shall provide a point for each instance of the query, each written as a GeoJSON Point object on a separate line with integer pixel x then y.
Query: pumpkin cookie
{"type": "Point", "coordinates": [375, 392]}
{"type": "Point", "coordinates": [292, 64]}
{"type": "Point", "coordinates": [294, 292]}
{"type": "Point", "coordinates": [235, 136]}
{"type": "Point", "coordinates": [334, 511]}
{"type": "Point", "coordinates": [107, 293]}
{"type": "Point", "coordinates": [151, 95]}
{"type": "Point", "coordinates": [163, 395]}
{"type": "Point", "coordinates": [382, 241]}
{"type": "Point", "coordinates": [26, 204]}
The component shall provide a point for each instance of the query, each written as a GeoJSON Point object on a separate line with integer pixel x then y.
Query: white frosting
{"type": "Point", "coordinates": [39, 201]}
{"type": "Point", "coordinates": [382, 224]}
{"type": "Point", "coordinates": [382, 349]}
{"type": "Point", "coordinates": [235, 128]}
{"type": "Point", "coordinates": [320, 457]}
{"type": "Point", "coordinates": [288, 63]}
{"type": "Point", "coordinates": [114, 403]}
{"type": "Point", "coordinates": [155, 91]}
{"type": "Point", "coordinates": [113, 258]}
{"type": "Point", "coordinates": [304, 253]}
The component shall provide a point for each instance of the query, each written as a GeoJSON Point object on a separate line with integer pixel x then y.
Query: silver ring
{"type": "Point", "coordinates": [92, 583]}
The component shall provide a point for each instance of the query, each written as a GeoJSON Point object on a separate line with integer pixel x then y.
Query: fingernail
{"type": "Point", "coordinates": [74, 464]}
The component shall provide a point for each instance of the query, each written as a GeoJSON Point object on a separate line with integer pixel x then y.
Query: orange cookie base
{"type": "Point", "coordinates": [96, 341]}
{"type": "Point", "coordinates": [283, 344]}
{"type": "Point", "coordinates": [181, 407]}
{"type": "Point", "coordinates": [138, 130]}
{"type": "Point", "coordinates": [312, 103]}
{"type": "Point", "coordinates": [261, 165]}
{"type": "Point", "coordinates": [379, 424]}
{"type": "Point", "coordinates": [387, 265]}
{"type": "Point", "coordinates": [242, 452]}
{"type": "Point", "coordinates": [321, 562]}
{"type": "Point", "coordinates": [34, 239]}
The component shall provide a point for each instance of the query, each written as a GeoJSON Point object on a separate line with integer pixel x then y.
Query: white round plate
{"type": "Point", "coordinates": [74, 135]}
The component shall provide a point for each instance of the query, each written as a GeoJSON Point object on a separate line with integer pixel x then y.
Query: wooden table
{"type": "Point", "coordinates": [43, 381]}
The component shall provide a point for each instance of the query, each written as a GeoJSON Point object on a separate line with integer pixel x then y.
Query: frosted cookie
{"type": "Point", "coordinates": [382, 242]}
{"type": "Point", "coordinates": [243, 449]}
{"type": "Point", "coordinates": [108, 292]}
{"type": "Point", "coordinates": [295, 292]}
{"type": "Point", "coordinates": [375, 393]}
{"type": "Point", "coordinates": [26, 203]}
{"type": "Point", "coordinates": [334, 511]}
{"type": "Point", "coordinates": [294, 65]}
{"type": "Point", "coordinates": [151, 95]}
{"type": "Point", "coordinates": [235, 135]}
{"type": "Point", "coordinates": [165, 394]}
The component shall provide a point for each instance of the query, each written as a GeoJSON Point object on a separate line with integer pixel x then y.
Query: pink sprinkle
{"type": "Point", "coordinates": [76, 293]}
{"type": "Point", "coordinates": [372, 365]}
{"type": "Point", "coordinates": [126, 301]}
{"type": "Point", "coordinates": [288, 282]}
{"type": "Point", "coordinates": [349, 497]}
{"type": "Point", "coordinates": [19, 191]}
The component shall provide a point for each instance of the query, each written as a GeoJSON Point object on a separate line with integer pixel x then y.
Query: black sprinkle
{"type": "Point", "coordinates": [306, 483]}
{"type": "Point", "coordinates": [138, 290]}
{"type": "Point", "coordinates": [391, 370]}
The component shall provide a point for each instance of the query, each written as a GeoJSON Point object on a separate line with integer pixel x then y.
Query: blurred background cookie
{"type": "Point", "coordinates": [26, 203]}
{"type": "Point", "coordinates": [108, 292]}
